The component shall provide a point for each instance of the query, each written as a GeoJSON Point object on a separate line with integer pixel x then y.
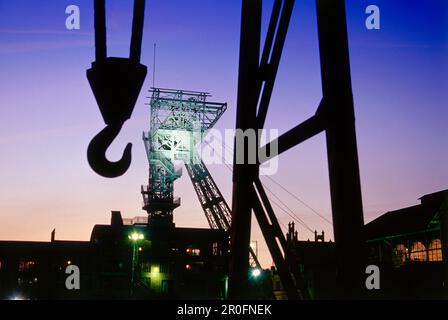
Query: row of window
{"type": "Point", "coordinates": [418, 252]}
{"type": "Point", "coordinates": [195, 252]}
{"type": "Point", "coordinates": [156, 268]}
{"type": "Point", "coordinates": [29, 265]}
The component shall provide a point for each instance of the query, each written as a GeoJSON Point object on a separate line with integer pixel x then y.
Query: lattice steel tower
{"type": "Point", "coordinates": [179, 121]}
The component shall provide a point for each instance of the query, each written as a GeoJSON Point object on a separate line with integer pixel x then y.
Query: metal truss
{"type": "Point", "coordinates": [334, 116]}
{"type": "Point", "coordinates": [179, 120]}
{"type": "Point", "coordinates": [215, 207]}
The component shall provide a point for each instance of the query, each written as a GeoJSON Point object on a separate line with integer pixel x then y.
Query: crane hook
{"type": "Point", "coordinates": [116, 84]}
{"type": "Point", "coordinates": [96, 153]}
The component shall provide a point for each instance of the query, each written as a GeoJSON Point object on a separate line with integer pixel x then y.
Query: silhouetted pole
{"type": "Point", "coordinates": [244, 175]}
{"type": "Point", "coordinates": [134, 265]}
{"type": "Point", "coordinates": [137, 30]}
{"type": "Point", "coordinates": [100, 30]}
{"type": "Point", "coordinates": [342, 151]}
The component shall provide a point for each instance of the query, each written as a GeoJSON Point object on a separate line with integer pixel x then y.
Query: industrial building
{"type": "Point", "coordinates": [408, 245]}
{"type": "Point", "coordinates": [140, 259]}
{"type": "Point", "coordinates": [129, 258]}
{"type": "Point", "coordinates": [169, 262]}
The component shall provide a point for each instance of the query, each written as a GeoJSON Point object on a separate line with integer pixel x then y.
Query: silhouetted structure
{"type": "Point", "coordinates": [187, 263]}
{"type": "Point", "coordinates": [317, 262]}
{"type": "Point", "coordinates": [170, 262]}
{"type": "Point", "coordinates": [36, 270]}
{"type": "Point", "coordinates": [334, 116]}
{"type": "Point", "coordinates": [409, 246]}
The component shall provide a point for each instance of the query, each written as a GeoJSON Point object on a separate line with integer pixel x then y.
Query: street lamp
{"type": "Point", "coordinates": [135, 237]}
{"type": "Point", "coordinates": [256, 272]}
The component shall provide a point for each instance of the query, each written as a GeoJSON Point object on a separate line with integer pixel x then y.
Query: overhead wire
{"type": "Point", "coordinates": [289, 212]}
{"type": "Point", "coordinates": [296, 197]}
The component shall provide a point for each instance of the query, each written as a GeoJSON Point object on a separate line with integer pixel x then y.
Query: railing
{"type": "Point", "coordinates": [135, 221]}
{"type": "Point", "coordinates": [176, 201]}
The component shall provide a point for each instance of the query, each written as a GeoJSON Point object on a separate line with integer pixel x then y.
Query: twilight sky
{"type": "Point", "coordinates": [48, 114]}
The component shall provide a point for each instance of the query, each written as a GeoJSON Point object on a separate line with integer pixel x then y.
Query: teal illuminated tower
{"type": "Point", "coordinates": [179, 121]}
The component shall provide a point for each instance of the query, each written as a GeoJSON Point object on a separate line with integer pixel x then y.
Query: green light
{"type": "Point", "coordinates": [256, 273]}
{"type": "Point", "coordinates": [136, 236]}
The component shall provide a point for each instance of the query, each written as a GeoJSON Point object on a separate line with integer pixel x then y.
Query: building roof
{"type": "Point", "coordinates": [407, 220]}
{"type": "Point", "coordinates": [108, 232]}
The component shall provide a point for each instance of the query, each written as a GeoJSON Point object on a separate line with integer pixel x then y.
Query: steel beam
{"type": "Point", "coordinates": [269, 70]}
{"type": "Point", "coordinates": [289, 258]}
{"type": "Point", "coordinates": [270, 235]}
{"type": "Point", "coordinates": [345, 186]}
{"type": "Point", "coordinates": [243, 175]}
{"type": "Point", "coordinates": [295, 136]}
{"type": "Point", "coordinates": [335, 115]}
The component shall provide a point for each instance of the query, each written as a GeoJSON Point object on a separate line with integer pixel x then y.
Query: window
{"type": "Point", "coordinates": [193, 252]}
{"type": "Point", "coordinates": [418, 252]}
{"type": "Point", "coordinates": [26, 265]}
{"type": "Point", "coordinates": [400, 254]}
{"type": "Point", "coordinates": [155, 268]}
{"type": "Point", "coordinates": [215, 249]}
{"type": "Point", "coordinates": [435, 250]}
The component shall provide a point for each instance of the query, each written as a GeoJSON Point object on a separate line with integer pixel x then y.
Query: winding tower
{"type": "Point", "coordinates": [179, 121]}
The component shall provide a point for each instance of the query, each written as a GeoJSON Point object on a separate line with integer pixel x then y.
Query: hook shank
{"type": "Point", "coordinates": [100, 30]}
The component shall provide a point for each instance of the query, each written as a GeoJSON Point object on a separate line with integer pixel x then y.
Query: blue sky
{"type": "Point", "coordinates": [48, 114]}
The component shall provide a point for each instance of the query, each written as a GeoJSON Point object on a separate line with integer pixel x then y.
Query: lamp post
{"type": "Point", "coordinates": [135, 238]}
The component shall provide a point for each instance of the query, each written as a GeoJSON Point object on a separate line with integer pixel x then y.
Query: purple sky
{"type": "Point", "coordinates": [48, 114]}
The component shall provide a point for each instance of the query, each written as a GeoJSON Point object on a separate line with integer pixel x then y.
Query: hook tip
{"type": "Point", "coordinates": [96, 154]}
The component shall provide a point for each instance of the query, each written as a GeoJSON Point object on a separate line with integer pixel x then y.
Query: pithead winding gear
{"type": "Point", "coordinates": [116, 84]}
